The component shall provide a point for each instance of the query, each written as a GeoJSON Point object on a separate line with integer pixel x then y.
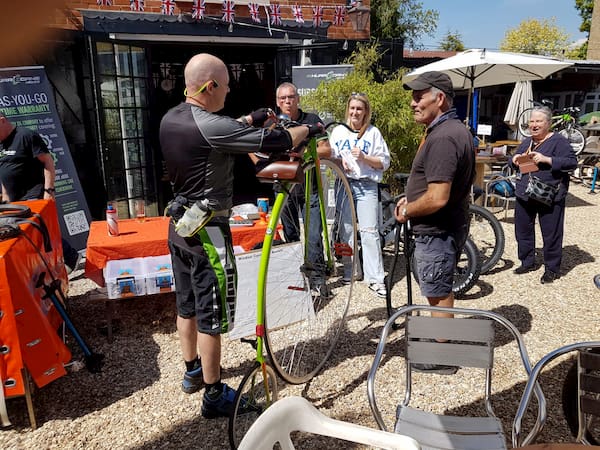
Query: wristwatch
{"type": "Point", "coordinates": [50, 190]}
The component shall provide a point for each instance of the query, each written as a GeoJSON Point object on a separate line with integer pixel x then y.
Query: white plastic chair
{"type": "Point", "coordinates": [297, 414]}
{"type": "Point", "coordinates": [465, 340]}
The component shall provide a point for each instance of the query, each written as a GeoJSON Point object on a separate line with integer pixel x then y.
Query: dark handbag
{"type": "Point", "coordinates": [281, 170]}
{"type": "Point", "coordinates": [540, 192]}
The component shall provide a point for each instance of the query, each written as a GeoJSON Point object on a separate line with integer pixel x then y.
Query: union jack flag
{"type": "Point", "coordinates": [339, 16]}
{"type": "Point", "coordinates": [228, 11]}
{"type": "Point", "coordinates": [254, 10]}
{"type": "Point", "coordinates": [317, 16]}
{"type": "Point", "coordinates": [275, 14]}
{"type": "Point", "coordinates": [297, 11]}
{"type": "Point", "coordinates": [167, 7]}
{"type": "Point", "coordinates": [198, 8]}
{"type": "Point", "coordinates": [136, 5]}
{"type": "Point", "coordinates": [104, 2]}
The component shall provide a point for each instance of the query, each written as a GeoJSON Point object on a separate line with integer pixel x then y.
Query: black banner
{"type": "Point", "coordinates": [26, 99]}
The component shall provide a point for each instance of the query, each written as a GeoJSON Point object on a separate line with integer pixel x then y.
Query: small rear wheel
{"type": "Point", "coordinates": [257, 391]}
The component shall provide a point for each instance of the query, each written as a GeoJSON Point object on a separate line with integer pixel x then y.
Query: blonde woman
{"type": "Point", "coordinates": [364, 156]}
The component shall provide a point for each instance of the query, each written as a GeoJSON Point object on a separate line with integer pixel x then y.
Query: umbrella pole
{"type": "Point", "coordinates": [468, 122]}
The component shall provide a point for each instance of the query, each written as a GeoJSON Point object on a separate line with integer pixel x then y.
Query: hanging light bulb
{"type": "Point", "coordinates": [345, 45]}
{"type": "Point", "coordinates": [286, 38]}
{"type": "Point", "coordinates": [230, 29]}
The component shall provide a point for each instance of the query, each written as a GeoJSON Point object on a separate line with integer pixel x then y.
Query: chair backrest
{"type": "Point", "coordinates": [469, 337]}
{"type": "Point", "coordinates": [297, 414]}
{"type": "Point", "coordinates": [588, 381]}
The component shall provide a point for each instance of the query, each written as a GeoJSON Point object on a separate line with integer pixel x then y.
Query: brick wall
{"type": "Point", "coordinates": [70, 18]}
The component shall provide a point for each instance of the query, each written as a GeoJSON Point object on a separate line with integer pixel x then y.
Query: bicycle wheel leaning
{"type": "Point", "coordinates": [305, 311]}
{"type": "Point", "coordinates": [523, 122]}
{"type": "Point", "coordinates": [488, 236]}
{"type": "Point", "coordinates": [575, 137]}
{"type": "Point", "coordinates": [257, 391]}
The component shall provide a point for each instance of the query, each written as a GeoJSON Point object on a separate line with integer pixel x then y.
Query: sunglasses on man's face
{"type": "Point", "coordinates": [202, 88]}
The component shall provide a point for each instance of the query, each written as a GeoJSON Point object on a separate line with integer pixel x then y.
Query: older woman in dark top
{"type": "Point", "coordinates": [553, 157]}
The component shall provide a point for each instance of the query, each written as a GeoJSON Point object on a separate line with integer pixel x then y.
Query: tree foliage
{"type": "Point", "coordinates": [452, 41]}
{"type": "Point", "coordinates": [390, 104]}
{"type": "Point", "coordinates": [402, 18]}
{"type": "Point", "coordinates": [585, 8]}
{"type": "Point", "coordinates": [536, 37]}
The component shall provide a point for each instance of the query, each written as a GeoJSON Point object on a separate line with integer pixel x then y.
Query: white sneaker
{"type": "Point", "coordinates": [379, 289]}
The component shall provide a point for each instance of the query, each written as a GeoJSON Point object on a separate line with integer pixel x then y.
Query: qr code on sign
{"type": "Point", "coordinates": [76, 223]}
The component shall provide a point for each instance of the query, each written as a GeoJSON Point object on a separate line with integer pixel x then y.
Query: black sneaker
{"type": "Point", "coordinates": [192, 381]}
{"type": "Point", "coordinates": [549, 277]}
{"type": "Point", "coordinates": [434, 368]}
{"type": "Point", "coordinates": [223, 405]}
{"type": "Point", "coordinates": [523, 269]}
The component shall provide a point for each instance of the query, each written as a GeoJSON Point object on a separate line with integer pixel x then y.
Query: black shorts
{"type": "Point", "coordinates": [205, 278]}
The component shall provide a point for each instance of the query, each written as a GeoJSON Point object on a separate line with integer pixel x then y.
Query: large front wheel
{"type": "Point", "coordinates": [257, 391]}
{"type": "Point", "coordinates": [308, 293]}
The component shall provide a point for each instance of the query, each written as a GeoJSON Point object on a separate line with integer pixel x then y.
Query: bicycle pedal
{"type": "Point", "coordinates": [342, 249]}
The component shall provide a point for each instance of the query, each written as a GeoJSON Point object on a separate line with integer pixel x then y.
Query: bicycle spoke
{"type": "Point", "coordinates": [307, 299]}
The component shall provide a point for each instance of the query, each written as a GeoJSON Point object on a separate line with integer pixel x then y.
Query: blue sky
{"type": "Point", "coordinates": [483, 23]}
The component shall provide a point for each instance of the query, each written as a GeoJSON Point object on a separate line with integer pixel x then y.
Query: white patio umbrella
{"type": "Point", "coordinates": [520, 100]}
{"type": "Point", "coordinates": [477, 68]}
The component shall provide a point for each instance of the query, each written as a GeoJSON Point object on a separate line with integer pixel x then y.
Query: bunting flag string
{"type": "Point", "coordinates": [167, 7]}
{"type": "Point", "coordinates": [275, 14]}
{"type": "Point", "coordinates": [272, 11]}
{"type": "Point", "coordinates": [136, 5]}
{"type": "Point", "coordinates": [254, 12]}
{"type": "Point", "coordinates": [198, 9]}
{"type": "Point", "coordinates": [317, 16]}
{"type": "Point", "coordinates": [339, 16]}
{"type": "Point", "coordinates": [297, 12]}
{"type": "Point", "coordinates": [228, 11]}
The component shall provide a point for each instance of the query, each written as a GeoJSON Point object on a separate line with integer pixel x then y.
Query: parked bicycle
{"type": "Point", "coordinates": [469, 264]}
{"type": "Point", "coordinates": [486, 231]}
{"type": "Point", "coordinates": [302, 300]}
{"type": "Point", "coordinates": [565, 123]}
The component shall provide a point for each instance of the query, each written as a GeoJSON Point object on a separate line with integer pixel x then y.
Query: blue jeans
{"type": "Point", "coordinates": [365, 193]}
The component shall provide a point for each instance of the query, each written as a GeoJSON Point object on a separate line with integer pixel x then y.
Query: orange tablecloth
{"type": "Point", "coordinates": [149, 238]}
{"type": "Point", "coordinates": [135, 240]}
{"type": "Point", "coordinates": [28, 322]}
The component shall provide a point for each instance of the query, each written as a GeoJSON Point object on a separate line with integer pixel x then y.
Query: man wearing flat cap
{"type": "Point", "coordinates": [437, 193]}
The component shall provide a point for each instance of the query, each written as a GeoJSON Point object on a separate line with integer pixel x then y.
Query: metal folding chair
{"type": "Point", "coordinates": [587, 392]}
{"type": "Point", "coordinates": [465, 340]}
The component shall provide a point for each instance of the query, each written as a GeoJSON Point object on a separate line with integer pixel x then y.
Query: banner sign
{"type": "Point", "coordinates": [308, 78]}
{"type": "Point", "coordinates": [26, 99]}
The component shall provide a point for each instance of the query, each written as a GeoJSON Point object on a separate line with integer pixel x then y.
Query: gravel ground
{"type": "Point", "coordinates": [136, 402]}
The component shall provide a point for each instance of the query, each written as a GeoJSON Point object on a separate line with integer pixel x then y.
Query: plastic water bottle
{"type": "Point", "coordinates": [112, 220]}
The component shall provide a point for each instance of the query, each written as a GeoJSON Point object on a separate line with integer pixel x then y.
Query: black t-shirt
{"type": "Point", "coordinates": [446, 156]}
{"type": "Point", "coordinates": [21, 172]}
{"type": "Point", "coordinates": [198, 149]}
